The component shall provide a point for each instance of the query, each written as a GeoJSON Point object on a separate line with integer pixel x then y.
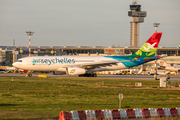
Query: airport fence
{"type": "Point", "coordinates": [119, 114]}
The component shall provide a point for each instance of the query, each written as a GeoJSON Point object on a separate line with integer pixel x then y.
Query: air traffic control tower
{"type": "Point", "coordinates": [137, 17]}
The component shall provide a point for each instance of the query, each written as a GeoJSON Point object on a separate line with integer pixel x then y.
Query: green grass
{"type": "Point", "coordinates": [31, 98]}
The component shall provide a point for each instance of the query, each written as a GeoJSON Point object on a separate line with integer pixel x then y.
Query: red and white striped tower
{"type": "Point", "coordinates": [155, 68]}
{"type": "Point", "coordinates": [156, 25]}
{"type": "Point", "coordinates": [30, 34]}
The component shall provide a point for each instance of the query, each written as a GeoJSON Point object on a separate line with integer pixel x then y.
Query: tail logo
{"type": "Point", "coordinates": [149, 46]}
{"type": "Point", "coordinates": [161, 63]}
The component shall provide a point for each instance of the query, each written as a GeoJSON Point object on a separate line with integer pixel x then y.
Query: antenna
{"type": "Point", "coordinates": [13, 42]}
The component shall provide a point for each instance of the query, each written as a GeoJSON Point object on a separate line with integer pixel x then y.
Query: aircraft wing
{"type": "Point", "coordinates": [94, 65]}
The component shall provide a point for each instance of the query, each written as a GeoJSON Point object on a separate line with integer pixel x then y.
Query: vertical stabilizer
{"type": "Point", "coordinates": [149, 48]}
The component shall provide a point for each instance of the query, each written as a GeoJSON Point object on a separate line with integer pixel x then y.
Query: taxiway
{"type": "Point", "coordinates": [133, 77]}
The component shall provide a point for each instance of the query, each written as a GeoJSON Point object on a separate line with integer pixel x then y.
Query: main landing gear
{"type": "Point", "coordinates": [88, 75]}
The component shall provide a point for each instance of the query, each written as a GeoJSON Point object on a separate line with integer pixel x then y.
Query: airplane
{"type": "Point", "coordinates": [163, 65]}
{"type": "Point", "coordinates": [86, 66]}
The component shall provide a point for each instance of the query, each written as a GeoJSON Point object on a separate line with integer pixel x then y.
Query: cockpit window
{"type": "Point", "coordinates": [19, 61]}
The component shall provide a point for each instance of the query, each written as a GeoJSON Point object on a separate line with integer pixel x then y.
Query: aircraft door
{"type": "Point", "coordinates": [29, 61]}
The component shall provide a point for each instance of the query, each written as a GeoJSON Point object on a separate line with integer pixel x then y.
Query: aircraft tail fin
{"type": "Point", "coordinates": [149, 48]}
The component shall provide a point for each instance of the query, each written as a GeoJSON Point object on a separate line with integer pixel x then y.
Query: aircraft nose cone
{"type": "Point", "coordinates": [14, 64]}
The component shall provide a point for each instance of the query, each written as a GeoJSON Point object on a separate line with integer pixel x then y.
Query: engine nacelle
{"type": "Point", "coordinates": [58, 73]}
{"type": "Point", "coordinates": [75, 71]}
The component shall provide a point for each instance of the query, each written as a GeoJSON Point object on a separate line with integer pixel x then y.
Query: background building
{"type": "Point", "coordinates": [9, 54]}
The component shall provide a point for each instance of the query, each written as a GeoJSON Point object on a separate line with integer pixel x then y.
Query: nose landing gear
{"type": "Point", "coordinates": [29, 74]}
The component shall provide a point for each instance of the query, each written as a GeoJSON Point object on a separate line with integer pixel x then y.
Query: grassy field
{"type": "Point", "coordinates": [32, 98]}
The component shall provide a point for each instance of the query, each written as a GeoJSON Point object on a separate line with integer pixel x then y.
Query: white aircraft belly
{"type": "Point", "coordinates": [42, 67]}
{"type": "Point", "coordinates": [111, 68]}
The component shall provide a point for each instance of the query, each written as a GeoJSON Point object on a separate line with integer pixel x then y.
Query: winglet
{"type": "Point", "coordinates": [136, 58]}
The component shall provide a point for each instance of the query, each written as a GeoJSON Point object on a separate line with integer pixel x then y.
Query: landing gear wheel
{"type": "Point", "coordinates": [30, 75]}
{"type": "Point", "coordinates": [94, 75]}
{"type": "Point", "coordinates": [89, 75]}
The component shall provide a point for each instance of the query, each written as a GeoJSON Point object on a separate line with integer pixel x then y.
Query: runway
{"type": "Point", "coordinates": [133, 77]}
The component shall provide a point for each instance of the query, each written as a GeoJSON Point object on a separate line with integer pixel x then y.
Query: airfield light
{"type": "Point", "coordinates": [156, 25]}
{"type": "Point", "coordinates": [29, 33]}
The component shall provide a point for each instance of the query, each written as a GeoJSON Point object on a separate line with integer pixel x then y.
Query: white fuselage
{"type": "Point", "coordinates": [60, 63]}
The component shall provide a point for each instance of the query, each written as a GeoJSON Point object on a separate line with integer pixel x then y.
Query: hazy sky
{"type": "Point", "coordinates": [85, 22]}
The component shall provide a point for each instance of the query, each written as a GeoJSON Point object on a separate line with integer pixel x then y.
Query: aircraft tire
{"type": "Point", "coordinates": [94, 75]}
{"type": "Point", "coordinates": [89, 75]}
{"type": "Point", "coordinates": [29, 75]}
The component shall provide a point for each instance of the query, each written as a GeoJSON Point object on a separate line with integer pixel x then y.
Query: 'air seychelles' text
{"type": "Point", "coordinates": [53, 61]}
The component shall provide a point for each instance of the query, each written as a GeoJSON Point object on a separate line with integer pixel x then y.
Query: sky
{"type": "Point", "coordinates": [85, 22]}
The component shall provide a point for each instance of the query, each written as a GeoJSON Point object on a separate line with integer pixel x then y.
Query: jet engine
{"type": "Point", "coordinates": [75, 71]}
